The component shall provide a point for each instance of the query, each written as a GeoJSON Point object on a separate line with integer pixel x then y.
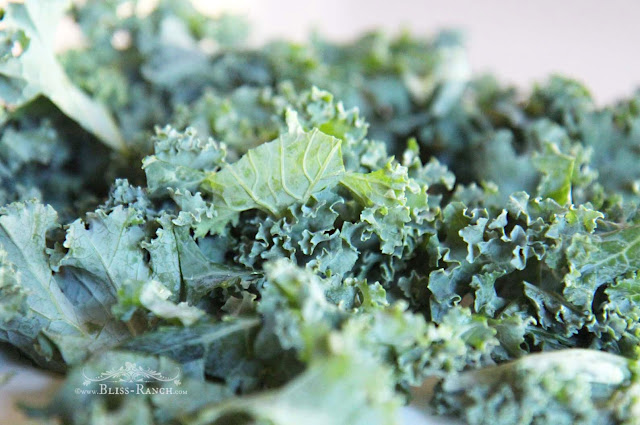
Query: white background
{"type": "Point", "coordinates": [594, 41]}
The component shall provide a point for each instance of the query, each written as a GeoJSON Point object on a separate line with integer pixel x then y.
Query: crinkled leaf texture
{"type": "Point", "coordinates": [65, 312]}
{"type": "Point", "coordinates": [277, 174]}
{"type": "Point", "coordinates": [181, 160]}
{"type": "Point", "coordinates": [106, 247]}
{"type": "Point", "coordinates": [599, 259]}
{"type": "Point", "coordinates": [287, 262]}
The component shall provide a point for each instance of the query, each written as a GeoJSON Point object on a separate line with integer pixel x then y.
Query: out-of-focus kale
{"type": "Point", "coordinates": [305, 232]}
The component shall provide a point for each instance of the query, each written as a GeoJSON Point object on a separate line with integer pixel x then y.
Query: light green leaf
{"type": "Point", "coordinates": [275, 175]}
{"type": "Point", "coordinates": [202, 216]}
{"type": "Point", "coordinates": [384, 187]}
{"type": "Point", "coordinates": [154, 296]}
{"type": "Point", "coordinates": [557, 169]}
{"type": "Point", "coordinates": [45, 307]}
{"type": "Point", "coordinates": [341, 390]}
{"type": "Point", "coordinates": [179, 264]}
{"type": "Point", "coordinates": [36, 72]}
{"type": "Point", "coordinates": [598, 259]}
{"type": "Point", "coordinates": [107, 246]}
{"type": "Point", "coordinates": [383, 193]}
{"type": "Point", "coordinates": [165, 258]}
{"type": "Point", "coordinates": [180, 160]}
{"type": "Point", "coordinates": [40, 310]}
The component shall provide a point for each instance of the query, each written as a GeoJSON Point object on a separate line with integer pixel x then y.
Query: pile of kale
{"type": "Point", "coordinates": [306, 232]}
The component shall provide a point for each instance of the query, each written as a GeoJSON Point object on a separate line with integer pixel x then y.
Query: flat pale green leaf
{"type": "Point", "coordinates": [26, 249]}
{"type": "Point", "coordinates": [625, 294]}
{"type": "Point", "coordinates": [38, 20]}
{"type": "Point", "coordinates": [107, 246]}
{"type": "Point", "coordinates": [280, 173]}
{"type": "Point", "coordinates": [384, 187]}
{"type": "Point", "coordinates": [179, 264]}
{"type": "Point", "coordinates": [45, 305]}
{"type": "Point", "coordinates": [614, 253]}
{"type": "Point", "coordinates": [557, 169]}
{"type": "Point", "coordinates": [47, 319]}
{"type": "Point", "coordinates": [154, 297]}
{"type": "Point", "coordinates": [341, 390]}
{"type": "Point", "coordinates": [598, 259]}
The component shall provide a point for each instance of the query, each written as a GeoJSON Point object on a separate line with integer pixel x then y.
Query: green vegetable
{"type": "Point", "coordinates": [27, 51]}
{"type": "Point", "coordinates": [565, 386]}
{"type": "Point", "coordinates": [304, 233]}
{"type": "Point", "coordinates": [275, 175]}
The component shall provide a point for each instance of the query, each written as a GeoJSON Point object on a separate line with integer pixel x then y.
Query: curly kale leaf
{"type": "Point", "coordinates": [274, 175]}
{"type": "Point", "coordinates": [62, 316]}
{"type": "Point", "coordinates": [180, 161]}
{"type": "Point", "coordinates": [563, 387]}
{"type": "Point", "coordinates": [599, 259]}
{"type": "Point", "coordinates": [314, 216]}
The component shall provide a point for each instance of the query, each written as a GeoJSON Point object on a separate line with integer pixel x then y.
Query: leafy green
{"type": "Point", "coordinates": [32, 27]}
{"type": "Point", "coordinates": [39, 312]}
{"type": "Point", "coordinates": [277, 174]}
{"type": "Point", "coordinates": [180, 161]}
{"type": "Point", "coordinates": [576, 386]}
{"type": "Point", "coordinates": [153, 296]}
{"type": "Point", "coordinates": [307, 231]}
{"type": "Point", "coordinates": [312, 397]}
{"type": "Point", "coordinates": [106, 246]}
{"type": "Point", "coordinates": [558, 169]}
